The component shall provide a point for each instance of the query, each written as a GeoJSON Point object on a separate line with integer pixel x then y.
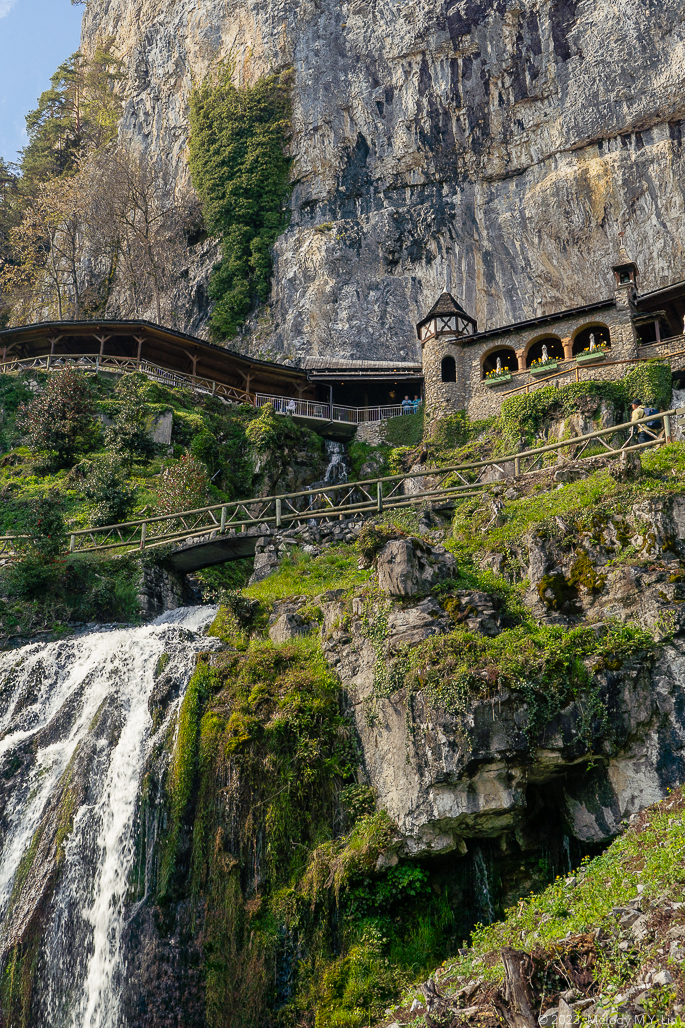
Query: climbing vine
{"type": "Point", "coordinates": [241, 171]}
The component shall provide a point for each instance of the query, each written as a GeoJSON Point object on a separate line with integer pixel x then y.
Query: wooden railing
{"type": "Point", "coordinates": [370, 496]}
{"type": "Point", "coordinates": [197, 383]}
{"type": "Point", "coordinates": [127, 365]}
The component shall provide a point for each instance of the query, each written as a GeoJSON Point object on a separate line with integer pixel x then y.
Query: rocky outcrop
{"type": "Point", "coordinates": [409, 567]}
{"type": "Point", "coordinates": [494, 147]}
{"type": "Point", "coordinates": [448, 778]}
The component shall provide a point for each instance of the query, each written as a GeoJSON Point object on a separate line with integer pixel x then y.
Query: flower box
{"type": "Point", "coordinates": [544, 369]}
{"type": "Point", "coordinates": [495, 380]}
{"type": "Point", "coordinates": [590, 357]}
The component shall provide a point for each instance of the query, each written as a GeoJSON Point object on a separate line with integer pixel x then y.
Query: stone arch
{"type": "Point", "coordinates": [581, 337]}
{"type": "Point", "coordinates": [448, 369]}
{"type": "Point", "coordinates": [507, 354]}
{"type": "Point", "coordinates": [555, 348]}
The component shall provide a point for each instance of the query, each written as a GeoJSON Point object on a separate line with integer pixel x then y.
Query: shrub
{"type": "Point", "coordinates": [183, 486]}
{"type": "Point", "coordinates": [60, 420]}
{"type": "Point", "coordinates": [406, 430]}
{"type": "Point", "coordinates": [129, 433]}
{"type": "Point", "coordinates": [43, 520]}
{"type": "Point", "coordinates": [650, 383]}
{"type": "Point", "coordinates": [106, 485]}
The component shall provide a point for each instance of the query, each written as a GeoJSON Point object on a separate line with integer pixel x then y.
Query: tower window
{"type": "Point", "coordinates": [449, 369]}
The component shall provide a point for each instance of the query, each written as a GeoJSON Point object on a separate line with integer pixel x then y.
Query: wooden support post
{"type": "Point", "coordinates": [577, 375]}
{"type": "Point", "coordinates": [140, 349]}
{"type": "Point", "coordinates": [667, 428]}
{"type": "Point", "coordinates": [143, 535]}
{"type": "Point", "coordinates": [72, 544]}
{"type": "Point", "coordinates": [224, 513]}
{"type": "Point", "coordinates": [379, 497]}
{"type": "Point", "coordinates": [279, 514]}
{"type": "Point", "coordinates": [657, 331]}
{"type": "Point", "coordinates": [517, 467]}
{"type": "Point", "coordinates": [213, 387]}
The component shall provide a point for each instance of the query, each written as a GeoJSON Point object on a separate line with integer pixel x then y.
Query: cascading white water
{"type": "Point", "coordinates": [482, 886]}
{"type": "Point", "coordinates": [678, 424]}
{"type": "Point", "coordinates": [337, 468]}
{"type": "Point", "coordinates": [75, 736]}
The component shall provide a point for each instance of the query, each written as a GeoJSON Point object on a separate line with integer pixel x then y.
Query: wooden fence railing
{"type": "Point", "coordinates": [127, 365]}
{"type": "Point", "coordinates": [370, 497]}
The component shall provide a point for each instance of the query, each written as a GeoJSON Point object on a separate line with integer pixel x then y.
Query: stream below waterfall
{"type": "Point", "coordinates": [76, 732]}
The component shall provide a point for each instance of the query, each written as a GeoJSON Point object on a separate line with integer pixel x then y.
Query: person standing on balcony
{"type": "Point", "coordinates": [416, 405]}
{"type": "Point", "coordinates": [407, 406]}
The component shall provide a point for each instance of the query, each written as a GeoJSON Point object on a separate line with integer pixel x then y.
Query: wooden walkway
{"type": "Point", "coordinates": [229, 531]}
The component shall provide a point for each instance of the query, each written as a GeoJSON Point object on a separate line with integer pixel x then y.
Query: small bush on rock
{"type": "Point", "coordinates": [183, 486]}
{"type": "Point", "coordinates": [107, 487]}
{"type": "Point", "coordinates": [60, 421]}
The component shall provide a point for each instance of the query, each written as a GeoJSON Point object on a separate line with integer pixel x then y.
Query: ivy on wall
{"type": "Point", "coordinates": [241, 171]}
{"type": "Point", "coordinates": [524, 415]}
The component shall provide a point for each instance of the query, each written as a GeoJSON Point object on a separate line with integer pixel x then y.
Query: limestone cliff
{"type": "Point", "coordinates": [496, 145]}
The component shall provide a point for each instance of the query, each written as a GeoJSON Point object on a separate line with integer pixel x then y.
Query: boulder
{"type": "Point", "coordinates": [409, 567]}
{"type": "Point", "coordinates": [288, 627]}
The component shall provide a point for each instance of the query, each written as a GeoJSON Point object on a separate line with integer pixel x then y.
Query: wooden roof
{"type": "Point", "coordinates": [176, 351]}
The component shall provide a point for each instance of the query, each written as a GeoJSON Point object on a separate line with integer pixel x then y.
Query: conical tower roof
{"type": "Point", "coordinates": [446, 305]}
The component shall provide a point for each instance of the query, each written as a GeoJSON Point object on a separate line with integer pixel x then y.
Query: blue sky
{"type": "Point", "coordinates": [35, 37]}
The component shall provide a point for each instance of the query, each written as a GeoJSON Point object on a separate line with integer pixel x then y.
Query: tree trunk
{"type": "Point", "coordinates": [518, 995]}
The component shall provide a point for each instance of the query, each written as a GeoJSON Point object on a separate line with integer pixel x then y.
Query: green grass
{"type": "Point", "coordinates": [303, 575]}
{"type": "Point", "coordinates": [599, 495]}
{"type": "Point", "coordinates": [406, 430]}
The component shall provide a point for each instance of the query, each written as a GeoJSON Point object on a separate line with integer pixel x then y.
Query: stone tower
{"type": "Point", "coordinates": [625, 273]}
{"type": "Point", "coordinates": [440, 334]}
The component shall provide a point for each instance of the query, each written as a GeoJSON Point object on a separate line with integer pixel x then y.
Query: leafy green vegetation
{"type": "Point", "coordinates": [548, 666]}
{"type": "Point", "coordinates": [87, 477]}
{"type": "Point", "coordinates": [272, 838]}
{"type": "Point", "coordinates": [585, 505]}
{"type": "Point", "coordinates": [241, 171]}
{"type": "Point", "coordinates": [523, 416]}
{"type": "Point", "coordinates": [302, 575]}
{"type": "Point", "coordinates": [406, 430]}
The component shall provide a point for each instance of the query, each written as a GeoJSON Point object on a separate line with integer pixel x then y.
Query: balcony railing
{"type": "Point", "coordinates": [324, 411]}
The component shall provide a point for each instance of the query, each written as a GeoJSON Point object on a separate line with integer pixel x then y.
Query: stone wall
{"type": "Point", "coordinates": [471, 392]}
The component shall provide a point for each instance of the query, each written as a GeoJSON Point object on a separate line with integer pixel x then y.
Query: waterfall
{"type": "Point", "coordinates": [482, 887]}
{"type": "Point", "coordinates": [337, 467]}
{"type": "Point", "coordinates": [76, 734]}
{"type": "Point", "coordinates": [678, 424]}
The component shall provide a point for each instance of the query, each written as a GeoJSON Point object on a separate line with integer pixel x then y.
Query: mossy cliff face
{"type": "Point", "coordinates": [430, 140]}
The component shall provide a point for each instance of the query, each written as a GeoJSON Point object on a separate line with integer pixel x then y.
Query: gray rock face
{"type": "Point", "coordinates": [288, 627]}
{"type": "Point", "coordinates": [448, 778]}
{"type": "Point", "coordinates": [498, 148]}
{"type": "Point", "coordinates": [160, 590]}
{"type": "Point", "coordinates": [408, 568]}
